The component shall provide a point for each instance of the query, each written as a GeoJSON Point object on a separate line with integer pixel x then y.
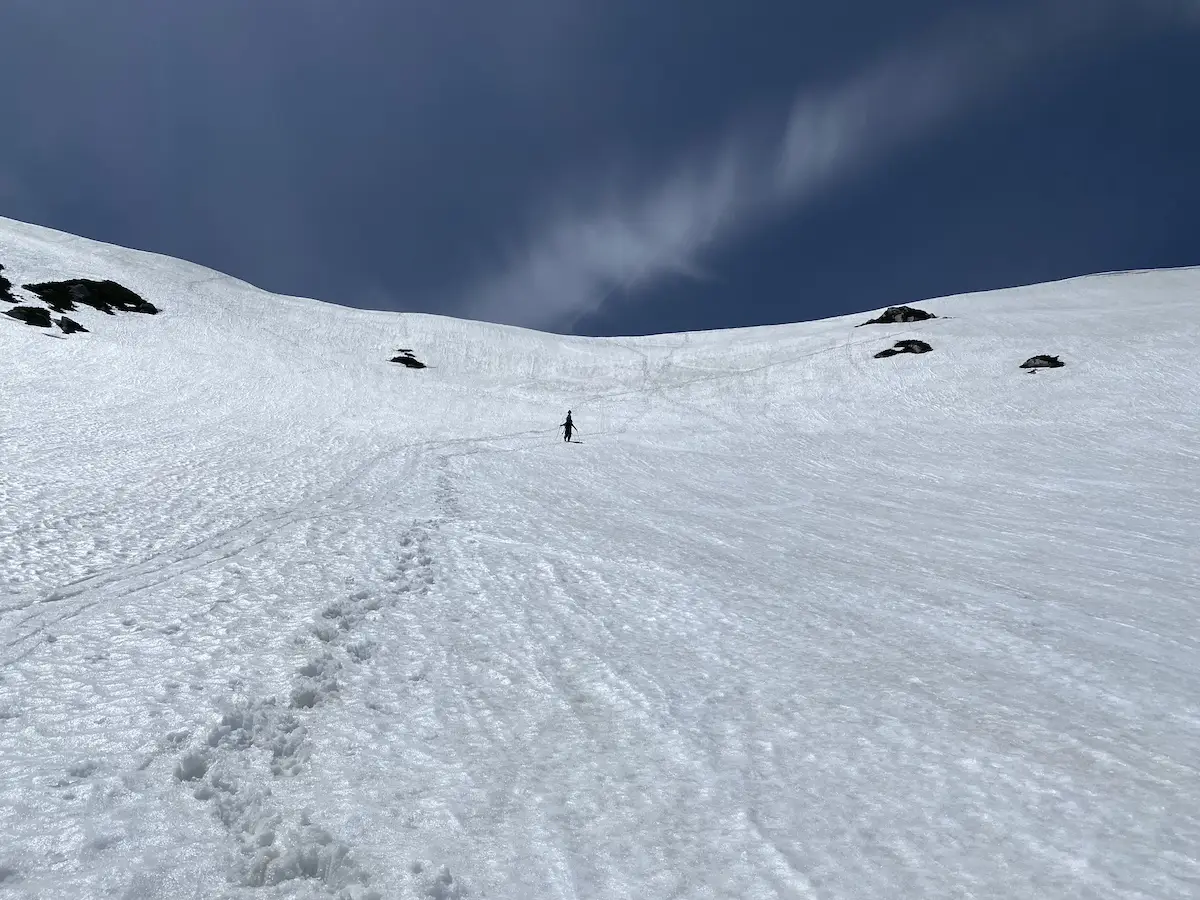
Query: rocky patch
{"type": "Point", "coordinates": [907, 346]}
{"type": "Point", "coordinates": [899, 315]}
{"type": "Point", "coordinates": [69, 326]}
{"type": "Point", "coordinates": [105, 296]}
{"type": "Point", "coordinates": [405, 358]}
{"type": "Point", "coordinates": [6, 288]}
{"type": "Point", "coordinates": [66, 296]}
{"type": "Point", "coordinates": [30, 315]}
{"type": "Point", "coordinates": [1042, 361]}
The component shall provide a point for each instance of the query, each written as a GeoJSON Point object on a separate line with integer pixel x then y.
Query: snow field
{"type": "Point", "coordinates": [278, 619]}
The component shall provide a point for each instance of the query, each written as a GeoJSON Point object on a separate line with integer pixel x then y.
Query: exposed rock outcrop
{"type": "Point", "coordinates": [6, 288]}
{"type": "Point", "coordinates": [898, 315]}
{"type": "Point", "coordinates": [106, 296]}
{"type": "Point", "coordinates": [907, 346]}
{"type": "Point", "coordinates": [30, 315]}
{"type": "Point", "coordinates": [1043, 361]}
{"type": "Point", "coordinates": [406, 358]}
{"type": "Point", "coordinates": [69, 326]}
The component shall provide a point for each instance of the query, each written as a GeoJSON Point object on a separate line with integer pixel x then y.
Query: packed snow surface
{"type": "Point", "coordinates": [279, 618]}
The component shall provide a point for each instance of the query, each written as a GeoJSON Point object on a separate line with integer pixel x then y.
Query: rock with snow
{"type": "Point", "coordinates": [905, 346]}
{"type": "Point", "coordinates": [406, 358]}
{"type": "Point", "coordinates": [69, 326]}
{"type": "Point", "coordinates": [898, 315]}
{"type": "Point", "coordinates": [1043, 361]}
{"type": "Point", "coordinates": [106, 296]}
{"type": "Point", "coordinates": [6, 288]}
{"type": "Point", "coordinates": [30, 315]}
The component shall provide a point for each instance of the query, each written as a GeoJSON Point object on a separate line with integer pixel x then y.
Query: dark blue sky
{"type": "Point", "coordinates": [613, 167]}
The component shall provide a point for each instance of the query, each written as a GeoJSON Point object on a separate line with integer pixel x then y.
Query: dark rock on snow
{"type": "Point", "coordinates": [6, 289]}
{"type": "Point", "coordinates": [106, 296]}
{"type": "Point", "coordinates": [70, 326]}
{"type": "Point", "coordinates": [904, 347]}
{"type": "Point", "coordinates": [30, 315]}
{"type": "Point", "coordinates": [1042, 361]}
{"type": "Point", "coordinates": [407, 359]}
{"type": "Point", "coordinates": [898, 315]}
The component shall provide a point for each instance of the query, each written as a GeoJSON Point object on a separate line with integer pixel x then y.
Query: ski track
{"type": "Point", "coordinates": [83, 594]}
{"type": "Point", "coordinates": [792, 623]}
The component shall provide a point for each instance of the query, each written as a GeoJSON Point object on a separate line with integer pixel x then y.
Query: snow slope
{"type": "Point", "coordinates": [281, 619]}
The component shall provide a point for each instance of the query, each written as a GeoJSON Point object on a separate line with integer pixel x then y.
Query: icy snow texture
{"type": "Point", "coordinates": [281, 619]}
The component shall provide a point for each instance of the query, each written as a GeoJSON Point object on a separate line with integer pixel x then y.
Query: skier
{"type": "Point", "coordinates": [568, 427]}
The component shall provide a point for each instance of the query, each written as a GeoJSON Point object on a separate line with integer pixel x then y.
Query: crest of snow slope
{"type": "Point", "coordinates": [280, 619]}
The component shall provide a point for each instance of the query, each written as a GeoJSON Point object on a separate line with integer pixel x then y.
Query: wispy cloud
{"type": "Point", "coordinates": [575, 260]}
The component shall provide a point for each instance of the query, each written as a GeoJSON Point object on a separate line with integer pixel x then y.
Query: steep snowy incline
{"type": "Point", "coordinates": [279, 618]}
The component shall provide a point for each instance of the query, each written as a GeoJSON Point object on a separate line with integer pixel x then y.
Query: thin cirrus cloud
{"type": "Point", "coordinates": [576, 260]}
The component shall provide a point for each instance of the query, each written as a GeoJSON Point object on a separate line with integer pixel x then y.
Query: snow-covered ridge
{"type": "Point", "coordinates": [279, 617]}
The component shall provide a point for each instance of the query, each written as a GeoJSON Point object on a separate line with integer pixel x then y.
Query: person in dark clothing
{"type": "Point", "coordinates": [568, 427]}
